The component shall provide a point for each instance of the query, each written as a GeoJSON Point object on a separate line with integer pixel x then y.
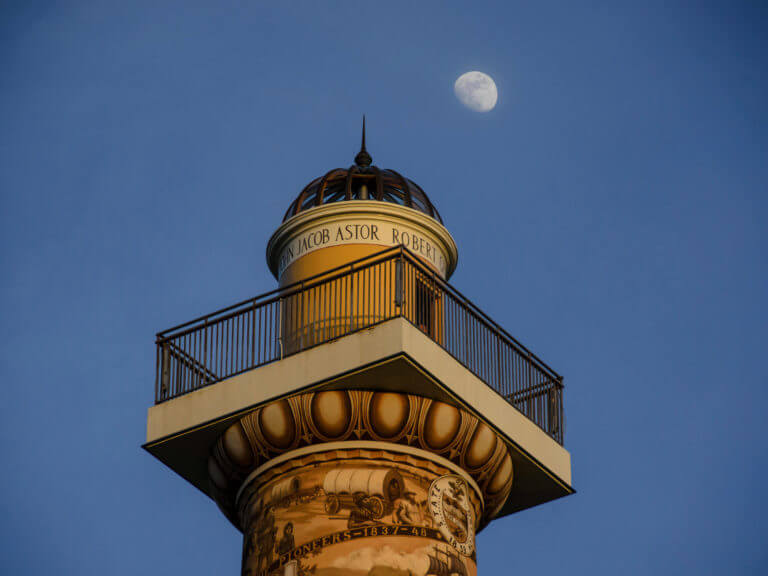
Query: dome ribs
{"type": "Point", "coordinates": [382, 185]}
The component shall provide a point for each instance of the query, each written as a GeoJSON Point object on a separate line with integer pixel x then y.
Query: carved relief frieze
{"type": "Point", "coordinates": [358, 512]}
{"type": "Point", "coordinates": [315, 418]}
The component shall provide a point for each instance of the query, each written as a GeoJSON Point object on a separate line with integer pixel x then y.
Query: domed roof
{"type": "Point", "coordinates": [362, 181]}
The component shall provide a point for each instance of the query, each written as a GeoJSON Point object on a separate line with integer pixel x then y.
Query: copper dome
{"type": "Point", "coordinates": [362, 181]}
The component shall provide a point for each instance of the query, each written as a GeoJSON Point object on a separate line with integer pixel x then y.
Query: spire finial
{"type": "Point", "coordinates": [363, 159]}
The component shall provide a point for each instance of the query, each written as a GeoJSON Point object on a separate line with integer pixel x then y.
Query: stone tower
{"type": "Point", "coordinates": [364, 417]}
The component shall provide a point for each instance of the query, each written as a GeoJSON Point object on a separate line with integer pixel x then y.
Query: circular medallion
{"type": "Point", "coordinates": [452, 513]}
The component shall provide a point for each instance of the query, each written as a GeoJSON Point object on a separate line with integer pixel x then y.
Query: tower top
{"type": "Point", "coordinates": [362, 181]}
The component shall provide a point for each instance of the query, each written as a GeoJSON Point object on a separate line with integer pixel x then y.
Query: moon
{"type": "Point", "coordinates": [477, 91]}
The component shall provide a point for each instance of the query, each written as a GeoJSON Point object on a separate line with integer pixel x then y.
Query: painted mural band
{"type": "Point", "coordinates": [359, 516]}
{"type": "Point", "coordinates": [352, 418]}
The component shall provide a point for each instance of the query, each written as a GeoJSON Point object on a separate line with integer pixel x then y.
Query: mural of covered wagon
{"type": "Point", "coordinates": [285, 491]}
{"type": "Point", "coordinates": [375, 488]}
{"type": "Point", "coordinates": [292, 491]}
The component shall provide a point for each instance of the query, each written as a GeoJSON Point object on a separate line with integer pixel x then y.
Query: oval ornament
{"type": "Point", "coordinates": [452, 513]}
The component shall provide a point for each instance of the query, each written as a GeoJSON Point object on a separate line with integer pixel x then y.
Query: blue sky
{"type": "Point", "coordinates": [610, 212]}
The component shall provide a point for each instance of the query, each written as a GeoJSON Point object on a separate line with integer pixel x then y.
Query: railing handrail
{"type": "Point", "coordinates": [290, 289]}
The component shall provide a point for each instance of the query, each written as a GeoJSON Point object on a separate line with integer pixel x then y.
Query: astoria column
{"type": "Point", "coordinates": [364, 417]}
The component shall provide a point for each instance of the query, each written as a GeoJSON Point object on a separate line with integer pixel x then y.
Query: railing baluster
{"type": "Point", "coordinates": [262, 336]}
{"type": "Point", "coordinates": [165, 376]}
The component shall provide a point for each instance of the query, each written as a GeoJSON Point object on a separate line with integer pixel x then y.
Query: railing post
{"type": "Point", "coordinates": [165, 371]}
{"type": "Point", "coordinates": [465, 331]}
{"type": "Point", "coordinates": [551, 401]}
{"type": "Point", "coordinates": [399, 282]}
{"type": "Point", "coordinates": [529, 386]}
{"type": "Point", "coordinates": [560, 411]}
{"type": "Point", "coordinates": [498, 364]}
{"type": "Point", "coordinates": [204, 361]}
{"type": "Point", "coordinates": [280, 325]}
{"type": "Point", "coordinates": [301, 319]}
{"type": "Point", "coordinates": [158, 367]}
{"type": "Point", "coordinates": [253, 336]}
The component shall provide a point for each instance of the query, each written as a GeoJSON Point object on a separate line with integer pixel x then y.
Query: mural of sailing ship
{"type": "Point", "coordinates": [445, 562]}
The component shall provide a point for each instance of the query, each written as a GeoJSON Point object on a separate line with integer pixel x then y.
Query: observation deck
{"type": "Point", "coordinates": [386, 322]}
{"type": "Point", "coordinates": [391, 284]}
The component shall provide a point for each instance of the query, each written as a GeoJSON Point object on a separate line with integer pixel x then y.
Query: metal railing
{"type": "Point", "coordinates": [393, 283]}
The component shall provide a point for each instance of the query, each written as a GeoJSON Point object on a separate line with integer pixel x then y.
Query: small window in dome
{"type": "Point", "coordinates": [418, 203]}
{"type": "Point", "coordinates": [309, 201]}
{"type": "Point", "coordinates": [395, 196]}
{"type": "Point", "coordinates": [334, 196]}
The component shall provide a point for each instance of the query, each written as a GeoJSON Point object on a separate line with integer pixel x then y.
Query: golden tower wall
{"type": "Point", "coordinates": [326, 238]}
{"type": "Point", "coordinates": [359, 482]}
